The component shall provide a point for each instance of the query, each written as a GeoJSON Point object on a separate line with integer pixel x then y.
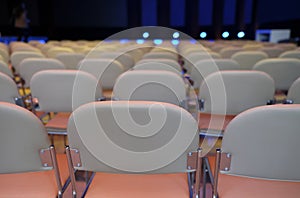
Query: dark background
{"type": "Point", "coordinates": [98, 19]}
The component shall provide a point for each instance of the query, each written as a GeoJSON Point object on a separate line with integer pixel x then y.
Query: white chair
{"type": "Point", "coordinates": [5, 55]}
{"type": "Point", "coordinates": [9, 91]}
{"type": "Point", "coordinates": [170, 62]}
{"type": "Point", "coordinates": [273, 52]}
{"type": "Point", "coordinates": [225, 94]}
{"type": "Point", "coordinates": [54, 51]}
{"type": "Point", "coordinates": [124, 58]}
{"type": "Point", "coordinates": [227, 52]}
{"type": "Point", "coordinates": [148, 142]}
{"type": "Point", "coordinates": [290, 54]}
{"type": "Point", "coordinates": [248, 59]}
{"type": "Point", "coordinates": [62, 91]}
{"type": "Point", "coordinates": [205, 67]}
{"type": "Point", "coordinates": [105, 70]}
{"type": "Point", "coordinates": [191, 59]}
{"type": "Point", "coordinates": [17, 57]}
{"type": "Point", "coordinates": [5, 69]}
{"type": "Point", "coordinates": [70, 60]}
{"type": "Point", "coordinates": [156, 66]}
{"type": "Point", "coordinates": [258, 156]}
{"type": "Point", "coordinates": [283, 71]}
{"type": "Point", "coordinates": [164, 55]}
{"type": "Point", "coordinates": [151, 85]}
{"type": "Point", "coordinates": [293, 95]}
{"type": "Point", "coordinates": [29, 66]}
{"type": "Point", "coordinates": [28, 166]}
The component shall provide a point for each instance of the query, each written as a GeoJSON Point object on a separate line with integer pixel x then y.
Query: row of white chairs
{"type": "Point", "coordinates": [241, 169]}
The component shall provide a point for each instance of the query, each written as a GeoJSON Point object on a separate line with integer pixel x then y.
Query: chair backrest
{"type": "Point", "coordinates": [5, 69]}
{"type": "Point", "coordinates": [17, 57]}
{"type": "Point", "coordinates": [4, 54]}
{"type": "Point", "coordinates": [205, 67]}
{"type": "Point", "coordinates": [165, 55]}
{"type": "Point", "coordinates": [262, 142]}
{"type": "Point", "coordinates": [156, 66]}
{"type": "Point", "coordinates": [105, 70]}
{"type": "Point", "coordinates": [151, 85]}
{"type": "Point", "coordinates": [283, 71]}
{"type": "Point", "coordinates": [141, 136]}
{"type": "Point", "coordinates": [134, 52]}
{"type": "Point", "coordinates": [231, 92]}
{"type": "Point", "coordinates": [70, 60]}
{"type": "Point", "coordinates": [293, 95]}
{"type": "Point", "coordinates": [29, 66]}
{"type": "Point", "coordinates": [193, 58]}
{"type": "Point", "coordinates": [64, 90]}
{"type": "Point", "coordinates": [125, 59]}
{"type": "Point", "coordinates": [287, 46]}
{"type": "Point", "coordinates": [54, 51]}
{"type": "Point", "coordinates": [290, 54]}
{"type": "Point", "coordinates": [248, 59]}
{"type": "Point", "coordinates": [21, 138]}
{"type": "Point", "coordinates": [170, 62]}
{"type": "Point", "coordinates": [273, 52]}
{"type": "Point", "coordinates": [8, 89]}
{"type": "Point", "coordinates": [227, 52]}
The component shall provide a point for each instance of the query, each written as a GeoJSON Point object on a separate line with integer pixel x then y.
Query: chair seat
{"type": "Point", "coordinates": [213, 121]}
{"type": "Point", "coordinates": [137, 186]}
{"type": "Point", "coordinates": [58, 123]}
{"type": "Point", "coordinates": [33, 184]}
{"type": "Point", "coordinates": [236, 187]}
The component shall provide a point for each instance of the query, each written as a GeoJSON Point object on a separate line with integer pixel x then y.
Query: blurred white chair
{"type": "Point", "coordinates": [248, 59]}
{"type": "Point", "coordinates": [293, 95]}
{"type": "Point", "coordinates": [5, 69]}
{"type": "Point", "coordinates": [156, 66]}
{"type": "Point", "coordinates": [17, 57]}
{"type": "Point", "coordinates": [9, 91]}
{"type": "Point", "coordinates": [205, 67]}
{"type": "Point", "coordinates": [170, 62]}
{"type": "Point", "coordinates": [30, 66]}
{"type": "Point", "coordinates": [5, 55]}
{"type": "Point", "coordinates": [290, 54]}
{"type": "Point", "coordinates": [60, 92]}
{"type": "Point", "coordinates": [54, 51]}
{"type": "Point", "coordinates": [283, 71]}
{"type": "Point", "coordinates": [227, 52]}
{"type": "Point", "coordinates": [70, 60]}
{"type": "Point", "coordinates": [105, 70]}
{"type": "Point", "coordinates": [151, 85]}
{"type": "Point", "coordinates": [124, 58]}
{"type": "Point", "coordinates": [164, 55]}
{"type": "Point", "coordinates": [273, 52]}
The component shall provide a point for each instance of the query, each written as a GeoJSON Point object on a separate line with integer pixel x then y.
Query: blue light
{"type": "Point", "coordinates": [146, 35]}
{"type": "Point", "coordinates": [176, 35]}
{"type": "Point", "coordinates": [157, 41]}
{"type": "Point", "coordinates": [241, 34]}
{"type": "Point", "coordinates": [225, 34]}
{"type": "Point", "coordinates": [203, 35]}
{"type": "Point", "coordinates": [140, 41]}
{"type": "Point", "coordinates": [124, 41]}
{"type": "Point", "coordinates": [193, 41]}
{"type": "Point", "coordinates": [175, 42]}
